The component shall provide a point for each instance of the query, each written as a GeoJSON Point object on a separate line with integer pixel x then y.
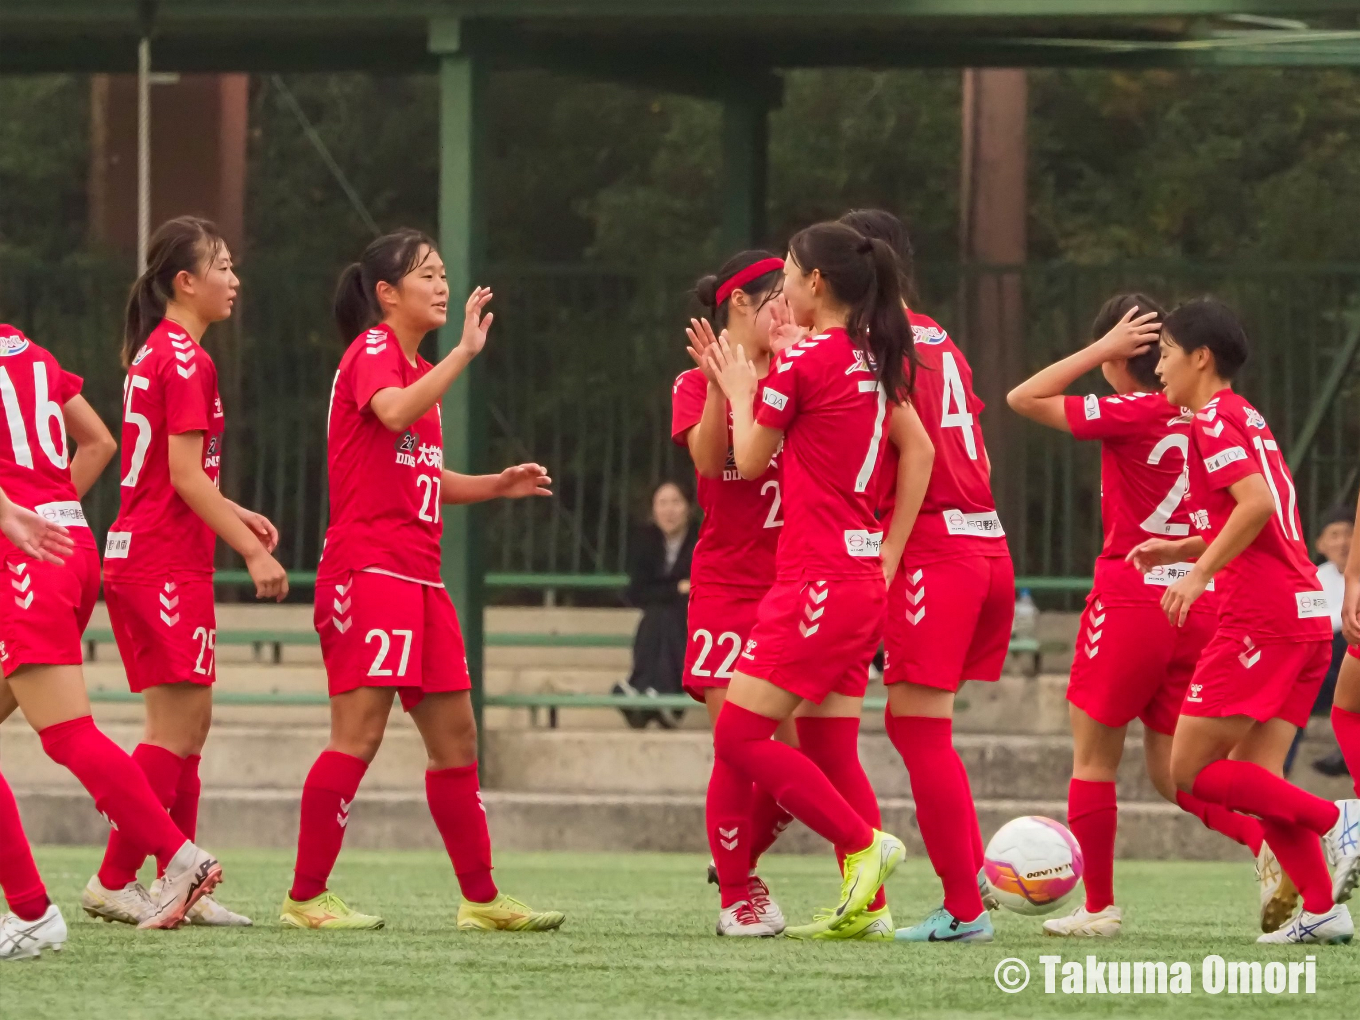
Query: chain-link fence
{"type": "Point", "coordinates": [579, 369]}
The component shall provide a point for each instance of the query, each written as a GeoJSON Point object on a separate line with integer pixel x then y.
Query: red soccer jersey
{"type": "Point", "coordinates": [1144, 463]}
{"type": "Point", "coordinates": [958, 515]}
{"type": "Point", "coordinates": [1270, 591]}
{"type": "Point", "coordinates": [35, 467]}
{"type": "Point", "coordinates": [384, 485]}
{"type": "Point", "coordinates": [170, 389]}
{"type": "Point", "coordinates": [741, 525]}
{"type": "Point", "coordinates": [823, 395]}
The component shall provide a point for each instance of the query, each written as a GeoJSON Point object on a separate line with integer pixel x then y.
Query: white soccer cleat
{"type": "Point", "coordinates": [129, 905]}
{"type": "Point", "coordinates": [207, 912]}
{"type": "Point", "coordinates": [766, 909]}
{"type": "Point", "coordinates": [1334, 928]}
{"type": "Point", "coordinates": [742, 921]}
{"type": "Point", "coordinates": [1086, 924]}
{"type": "Point", "coordinates": [1279, 895]}
{"type": "Point", "coordinates": [985, 890]}
{"type": "Point", "coordinates": [191, 874]}
{"type": "Point", "coordinates": [1342, 847]}
{"type": "Point", "coordinates": [25, 940]}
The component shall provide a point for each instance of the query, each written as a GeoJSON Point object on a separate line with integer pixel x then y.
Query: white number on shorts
{"type": "Point", "coordinates": [429, 497]}
{"type": "Point", "coordinates": [1287, 520]}
{"type": "Point", "coordinates": [131, 385]}
{"type": "Point", "coordinates": [384, 646]}
{"type": "Point", "coordinates": [207, 644]}
{"type": "Point", "coordinates": [1159, 523]}
{"type": "Point", "coordinates": [725, 670]}
{"type": "Point", "coordinates": [45, 409]}
{"type": "Point", "coordinates": [773, 520]}
{"type": "Point", "coordinates": [866, 470]}
{"type": "Point", "coordinates": [954, 397]}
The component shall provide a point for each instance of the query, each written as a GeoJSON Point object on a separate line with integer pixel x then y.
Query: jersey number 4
{"type": "Point", "coordinates": [45, 409]}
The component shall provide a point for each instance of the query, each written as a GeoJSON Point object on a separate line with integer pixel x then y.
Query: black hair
{"type": "Point", "coordinates": [862, 272]}
{"type": "Point", "coordinates": [1209, 323]}
{"type": "Point", "coordinates": [765, 287]}
{"type": "Point", "coordinates": [1143, 367]}
{"type": "Point", "coordinates": [387, 259]}
{"type": "Point", "coordinates": [184, 244]}
{"type": "Point", "coordinates": [892, 231]}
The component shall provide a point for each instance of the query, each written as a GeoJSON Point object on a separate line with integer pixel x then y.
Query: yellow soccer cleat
{"type": "Point", "coordinates": [327, 911]}
{"type": "Point", "coordinates": [505, 913]}
{"type": "Point", "coordinates": [869, 926]}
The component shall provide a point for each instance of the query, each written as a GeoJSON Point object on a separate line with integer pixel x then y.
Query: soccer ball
{"type": "Point", "coordinates": [1033, 864]}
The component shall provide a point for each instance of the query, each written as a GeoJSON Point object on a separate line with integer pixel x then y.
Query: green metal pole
{"type": "Point", "coordinates": [461, 243]}
{"type": "Point", "coordinates": [746, 143]}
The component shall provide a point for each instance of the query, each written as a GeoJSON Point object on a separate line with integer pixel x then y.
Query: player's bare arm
{"type": "Point", "coordinates": [707, 441]}
{"type": "Point", "coordinates": [400, 407]}
{"type": "Point", "coordinates": [95, 445]}
{"type": "Point", "coordinates": [194, 486]}
{"type": "Point", "coordinates": [515, 482]}
{"type": "Point", "coordinates": [1255, 505]}
{"type": "Point", "coordinates": [261, 525]}
{"type": "Point", "coordinates": [915, 457]}
{"type": "Point", "coordinates": [753, 446]}
{"type": "Point", "coordinates": [1040, 397]}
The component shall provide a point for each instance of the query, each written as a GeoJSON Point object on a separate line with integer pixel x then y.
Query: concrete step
{"type": "Point", "coordinates": [580, 822]}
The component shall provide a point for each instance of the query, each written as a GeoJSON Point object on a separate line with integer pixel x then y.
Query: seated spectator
{"type": "Point", "coordinates": [658, 584]}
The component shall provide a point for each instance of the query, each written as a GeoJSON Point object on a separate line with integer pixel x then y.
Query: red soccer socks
{"type": "Point", "coordinates": [455, 802]}
{"type": "Point", "coordinates": [326, 798]}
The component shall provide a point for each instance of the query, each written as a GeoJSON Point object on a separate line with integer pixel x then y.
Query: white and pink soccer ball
{"type": "Point", "coordinates": [1033, 864]}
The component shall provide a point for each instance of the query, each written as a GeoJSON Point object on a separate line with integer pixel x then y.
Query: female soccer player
{"type": "Point", "coordinates": [1130, 662]}
{"type": "Point", "coordinates": [1259, 674]}
{"type": "Point", "coordinates": [733, 568]}
{"type": "Point", "coordinates": [386, 623]}
{"type": "Point", "coordinates": [826, 399]}
{"type": "Point", "coordinates": [54, 580]}
{"type": "Point", "coordinates": [158, 557]}
{"type": "Point", "coordinates": [949, 608]}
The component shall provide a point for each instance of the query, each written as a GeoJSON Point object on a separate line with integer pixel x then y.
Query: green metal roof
{"type": "Point", "coordinates": [689, 38]}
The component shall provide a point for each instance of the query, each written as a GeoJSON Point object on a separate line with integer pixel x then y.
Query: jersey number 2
{"type": "Point", "coordinates": [1159, 521]}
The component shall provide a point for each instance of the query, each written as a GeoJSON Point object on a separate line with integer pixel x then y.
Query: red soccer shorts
{"type": "Point", "coordinates": [949, 621]}
{"type": "Point", "coordinates": [720, 621]}
{"type": "Point", "coordinates": [46, 610]}
{"type": "Point", "coordinates": [1131, 663]}
{"type": "Point", "coordinates": [815, 638]}
{"type": "Point", "coordinates": [1269, 681]}
{"type": "Point", "coordinates": [382, 631]}
{"type": "Point", "coordinates": [166, 632]}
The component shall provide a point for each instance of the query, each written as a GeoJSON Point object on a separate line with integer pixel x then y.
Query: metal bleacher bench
{"type": "Point", "coordinates": [277, 640]}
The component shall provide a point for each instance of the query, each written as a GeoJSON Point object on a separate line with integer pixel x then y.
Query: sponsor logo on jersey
{"type": "Point", "coordinates": [212, 456]}
{"type": "Point", "coordinates": [217, 407]}
{"type": "Point", "coordinates": [1092, 406]}
{"type": "Point", "coordinates": [430, 455]}
{"type": "Point", "coordinates": [861, 543]}
{"type": "Point", "coordinates": [1221, 460]}
{"type": "Point", "coordinates": [985, 524]}
{"type": "Point", "coordinates": [863, 363]}
{"type": "Point", "coordinates": [930, 335]}
{"type": "Point", "coordinates": [775, 399]}
{"type": "Point", "coordinates": [12, 344]}
{"type": "Point", "coordinates": [1200, 519]}
{"type": "Point", "coordinates": [1312, 604]}
{"type": "Point", "coordinates": [1254, 418]}
{"type": "Point", "coordinates": [1166, 576]}
{"type": "Point", "coordinates": [406, 448]}
{"type": "Point", "coordinates": [117, 544]}
{"type": "Point", "coordinates": [141, 355]}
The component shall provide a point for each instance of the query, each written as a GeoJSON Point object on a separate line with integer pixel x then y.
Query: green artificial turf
{"type": "Point", "coordinates": [638, 942]}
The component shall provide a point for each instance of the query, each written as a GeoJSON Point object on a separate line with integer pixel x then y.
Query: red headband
{"type": "Point", "coordinates": [752, 272]}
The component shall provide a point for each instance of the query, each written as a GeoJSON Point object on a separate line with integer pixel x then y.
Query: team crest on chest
{"type": "Point", "coordinates": [12, 345]}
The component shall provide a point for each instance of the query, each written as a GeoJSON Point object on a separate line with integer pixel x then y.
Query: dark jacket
{"type": "Point", "coordinates": [659, 645]}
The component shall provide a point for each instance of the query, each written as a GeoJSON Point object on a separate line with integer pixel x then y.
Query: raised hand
{"type": "Point", "coordinates": [524, 480]}
{"type": "Point", "coordinates": [475, 325]}
{"type": "Point", "coordinates": [701, 338]}
{"type": "Point", "coordinates": [1155, 552]}
{"type": "Point", "coordinates": [784, 332]}
{"type": "Point", "coordinates": [733, 372]}
{"type": "Point", "coordinates": [1130, 336]}
{"type": "Point", "coordinates": [34, 535]}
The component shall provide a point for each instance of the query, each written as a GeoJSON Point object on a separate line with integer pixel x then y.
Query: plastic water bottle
{"type": "Point", "coordinates": [1026, 625]}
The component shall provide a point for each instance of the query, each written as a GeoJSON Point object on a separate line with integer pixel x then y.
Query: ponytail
{"type": "Point", "coordinates": [388, 259]}
{"type": "Point", "coordinates": [184, 244]}
{"type": "Point", "coordinates": [864, 273]}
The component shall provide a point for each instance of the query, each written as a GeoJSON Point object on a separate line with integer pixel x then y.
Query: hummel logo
{"type": "Point", "coordinates": [813, 614]}
{"type": "Point", "coordinates": [169, 585]}
{"type": "Point", "coordinates": [169, 620]}
{"type": "Point", "coordinates": [22, 585]}
{"type": "Point", "coordinates": [25, 602]}
{"type": "Point", "coordinates": [1251, 656]}
{"type": "Point", "coordinates": [340, 589]}
{"type": "Point", "coordinates": [186, 373]}
{"type": "Point", "coordinates": [727, 838]}
{"type": "Point", "coordinates": [377, 349]}
{"type": "Point", "coordinates": [1214, 432]}
{"type": "Point", "coordinates": [340, 625]}
{"type": "Point", "coordinates": [918, 616]}
{"type": "Point", "coordinates": [819, 596]}
{"type": "Point", "coordinates": [169, 603]}
{"type": "Point", "coordinates": [341, 608]}
{"type": "Point", "coordinates": [185, 356]}
{"type": "Point", "coordinates": [808, 631]}
{"type": "Point", "coordinates": [343, 816]}
{"type": "Point", "coordinates": [18, 568]}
